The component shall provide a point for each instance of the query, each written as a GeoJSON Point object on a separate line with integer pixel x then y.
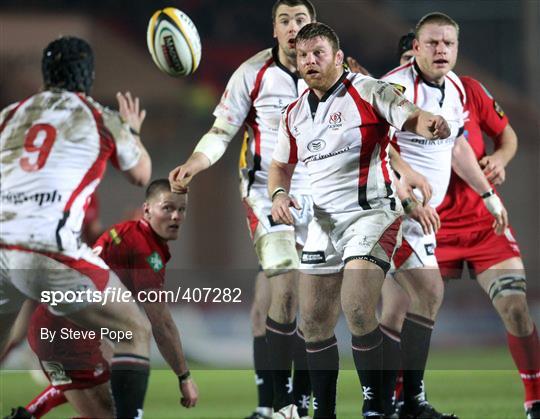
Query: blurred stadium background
{"type": "Point", "coordinates": [498, 45]}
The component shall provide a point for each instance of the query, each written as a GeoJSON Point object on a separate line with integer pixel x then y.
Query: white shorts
{"type": "Point", "coordinates": [371, 235]}
{"type": "Point", "coordinates": [259, 208]}
{"type": "Point", "coordinates": [417, 249]}
{"type": "Point", "coordinates": [26, 273]}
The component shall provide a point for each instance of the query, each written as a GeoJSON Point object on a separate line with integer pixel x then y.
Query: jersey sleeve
{"type": "Point", "coordinates": [388, 102]}
{"type": "Point", "coordinates": [127, 152]}
{"type": "Point", "coordinates": [236, 102]}
{"type": "Point", "coordinates": [286, 150]}
{"type": "Point", "coordinates": [491, 117]}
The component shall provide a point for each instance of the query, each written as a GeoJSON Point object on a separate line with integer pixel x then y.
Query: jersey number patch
{"type": "Point", "coordinates": [46, 134]}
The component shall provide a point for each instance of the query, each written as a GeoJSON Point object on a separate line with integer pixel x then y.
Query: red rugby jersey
{"type": "Point", "coordinates": [462, 209]}
{"type": "Point", "coordinates": [136, 253]}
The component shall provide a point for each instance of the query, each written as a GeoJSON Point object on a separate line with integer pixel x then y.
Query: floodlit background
{"type": "Point", "coordinates": [498, 46]}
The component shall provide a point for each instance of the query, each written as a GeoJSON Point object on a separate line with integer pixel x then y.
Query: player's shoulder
{"type": "Point", "coordinates": [254, 64]}
{"type": "Point", "coordinates": [402, 73]}
{"type": "Point", "coordinates": [473, 86]}
{"type": "Point", "coordinates": [104, 111]}
{"type": "Point", "coordinates": [119, 233]}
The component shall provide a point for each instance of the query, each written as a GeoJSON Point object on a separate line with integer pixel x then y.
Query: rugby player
{"type": "Point", "coordinates": [54, 147]}
{"type": "Point", "coordinates": [137, 251]}
{"type": "Point", "coordinates": [428, 81]}
{"type": "Point", "coordinates": [340, 129]}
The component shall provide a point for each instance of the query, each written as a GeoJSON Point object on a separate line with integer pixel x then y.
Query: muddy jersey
{"type": "Point", "coordinates": [255, 96]}
{"type": "Point", "coordinates": [343, 140]}
{"type": "Point", "coordinates": [433, 159]}
{"type": "Point", "coordinates": [462, 209]}
{"type": "Point", "coordinates": [54, 150]}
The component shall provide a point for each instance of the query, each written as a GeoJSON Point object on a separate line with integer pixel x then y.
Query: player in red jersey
{"type": "Point", "coordinates": [137, 251]}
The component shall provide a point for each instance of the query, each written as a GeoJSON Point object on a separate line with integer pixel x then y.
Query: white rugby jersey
{"type": "Point", "coordinates": [255, 96]}
{"type": "Point", "coordinates": [433, 159]}
{"type": "Point", "coordinates": [345, 143]}
{"type": "Point", "coordinates": [54, 148]}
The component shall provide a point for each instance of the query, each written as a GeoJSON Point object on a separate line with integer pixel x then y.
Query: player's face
{"type": "Point", "coordinates": [165, 212]}
{"type": "Point", "coordinates": [436, 50]}
{"type": "Point", "coordinates": [289, 21]}
{"type": "Point", "coordinates": [406, 57]}
{"type": "Point", "coordinates": [318, 64]}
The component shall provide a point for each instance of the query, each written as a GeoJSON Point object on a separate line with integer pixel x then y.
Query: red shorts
{"type": "Point", "coordinates": [480, 249]}
{"type": "Point", "coordinates": [69, 363]}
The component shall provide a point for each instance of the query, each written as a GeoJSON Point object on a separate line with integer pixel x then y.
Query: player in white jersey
{"type": "Point", "coordinates": [340, 130]}
{"type": "Point", "coordinates": [427, 80]}
{"type": "Point", "coordinates": [54, 148]}
{"type": "Point", "coordinates": [255, 95]}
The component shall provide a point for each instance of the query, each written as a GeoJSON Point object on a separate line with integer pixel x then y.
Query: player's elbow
{"type": "Point", "coordinates": [140, 174]}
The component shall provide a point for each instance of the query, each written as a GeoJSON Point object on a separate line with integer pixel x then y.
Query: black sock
{"type": "Point", "coordinates": [280, 339]}
{"type": "Point", "coordinates": [323, 361]}
{"type": "Point", "coordinates": [263, 374]}
{"type": "Point", "coordinates": [301, 382]}
{"type": "Point", "coordinates": [415, 341]}
{"type": "Point", "coordinates": [391, 366]}
{"type": "Point", "coordinates": [368, 359]}
{"type": "Point", "coordinates": [129, 380]}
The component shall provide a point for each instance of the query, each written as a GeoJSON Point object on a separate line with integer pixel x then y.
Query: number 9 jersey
{"type": "Point", "coordinates": [54, 148]}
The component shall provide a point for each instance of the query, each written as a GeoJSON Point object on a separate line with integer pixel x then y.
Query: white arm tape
{"type": "Point", "coordinates": [493, 205]}
{"type": "Point", "coordinates": [212, 144]}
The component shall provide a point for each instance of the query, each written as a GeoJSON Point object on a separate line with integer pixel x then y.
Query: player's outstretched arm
{"type": "Point", "coordinates": [410, 178]}
{"type": "Point", "coordinates": [279, 182]}
{"type": "Point", "coordinates": [209, 150]}
{"type": "Point", "coordinates": [356, 67]}
{"type": "Point", "coordinates": [427, 125]}
{"type": "Point", "coordinates": [130, 112]}
{"type": "Point", "coordinates": [465, 165]}
{"type": "Point", "coordinates": [170, 346]}
{"type": "Point", "coordinates": [505, 149]}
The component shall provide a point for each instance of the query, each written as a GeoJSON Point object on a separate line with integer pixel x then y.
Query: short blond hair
{"type": "Point", "coordinates": [437, 18]}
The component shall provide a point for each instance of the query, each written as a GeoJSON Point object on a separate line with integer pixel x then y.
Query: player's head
{"type": "Point", "coordinates": [405, 48]}
{"type": "Point", "coordinates": [318, 56]}
{"type": "Point", "coordinates": [68, 63]}
{"type": "Point", "coordinates": [436, 45]}
{"type": "Point", "coordinates": [288, 17]}
{"type": "Point", "coordinates": [164, 210]}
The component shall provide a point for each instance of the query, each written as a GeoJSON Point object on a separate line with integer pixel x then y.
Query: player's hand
{"type": "Point", "coordinates": [438, 127]}
{"type": "Point", "coordinates": [493, 169]}
{"type": "Point", "coordinates": [412, 179]}
{"type": "Point", "coordinates": [355, 66]}
{"type": "Point", "coordinates": [190, 393]}
{"type": "Point", "coordinates": [281, 213]}
{"type": "Point", "coordinates": [130, 111]}
{"type": "Point", "coordinates": [496, 208]}
{"type": "Point", "coordinates": [427, 217]}
{"type": "Point", "coordinates": [180, 177]}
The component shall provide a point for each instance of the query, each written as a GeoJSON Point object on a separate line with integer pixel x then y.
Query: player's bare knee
{"type": "Point", "coordinates": [360, 318]}
{"type": "Point", "coordinates": [258, 319]}
{"type": "Point", "coordinates": [515, 313]}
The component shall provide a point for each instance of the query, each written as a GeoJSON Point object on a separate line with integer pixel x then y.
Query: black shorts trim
{"type": "Point", "coordinates": [385, 266]}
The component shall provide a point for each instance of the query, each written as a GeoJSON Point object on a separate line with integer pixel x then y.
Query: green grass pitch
{"type": "Point", "coordinates": [487, 387]}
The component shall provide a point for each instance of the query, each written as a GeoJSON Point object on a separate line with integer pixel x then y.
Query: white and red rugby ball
{"type": "Point", "coordinates": [174, 42]}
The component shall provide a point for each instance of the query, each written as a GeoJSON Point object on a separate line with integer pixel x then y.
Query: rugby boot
{"type": "Point", "coordinates": [533, 412]}
{"type": "Point", "coordinates": [423, 410]}
{"type": "Point", "coordinates": [257, 415]}
{"type": "Point", "coordinates": [19, 413]}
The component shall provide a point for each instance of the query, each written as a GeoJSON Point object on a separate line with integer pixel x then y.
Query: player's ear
{"type": "Point", "coordinates": [146, 211]}
{"type": "Point", "coordinates": [340, 57]}
{"type": "Point", "coordinates": [415, 45]}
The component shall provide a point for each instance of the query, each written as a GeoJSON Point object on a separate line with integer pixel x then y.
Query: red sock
{"type": "Point", "coordinates": [45, 401]}
{"type": "Point", "coordinates": [526, 354]}
{"type": "Point", "coordinates": [398, 392]}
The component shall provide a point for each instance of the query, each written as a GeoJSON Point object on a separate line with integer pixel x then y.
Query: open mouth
{"type": "Point", "coordinates": [311, 72]}
{"type": "Point", "coordinates": [440, 62]}
{"type": "Point", "coordinates": [291, 42]}
{"type": "Point", "coordinates": [174, 227]}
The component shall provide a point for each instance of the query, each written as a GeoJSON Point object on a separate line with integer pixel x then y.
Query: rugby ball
{"type": "Point", "coordinates": [173, 42]}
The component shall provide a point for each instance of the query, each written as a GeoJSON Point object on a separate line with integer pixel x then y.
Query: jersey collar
{"type": "Point", "coordinates": [416, 70]}
{"type": "Point", "coordinates": [157, 241]}
{"type": "Point", "coordinates": [275, 56]}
